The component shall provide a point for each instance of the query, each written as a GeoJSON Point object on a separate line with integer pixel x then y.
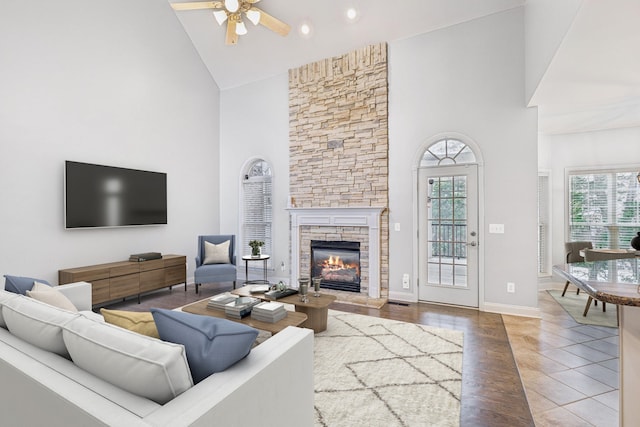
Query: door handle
{"type": "Point", "coordinates": [472, 243]}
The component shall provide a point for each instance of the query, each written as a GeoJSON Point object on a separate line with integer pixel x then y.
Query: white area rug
{"type": "Point", "coordinates": [378, 372]}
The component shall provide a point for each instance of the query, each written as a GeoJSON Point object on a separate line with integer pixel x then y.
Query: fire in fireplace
{"type": "Point", "coordinates": [337, 263]}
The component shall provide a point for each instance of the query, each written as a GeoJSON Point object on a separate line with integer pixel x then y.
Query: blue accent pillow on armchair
{"type": "Point", "coordinates": [212, 344]}
{"type": "Point", "coordinates": [20, 285]}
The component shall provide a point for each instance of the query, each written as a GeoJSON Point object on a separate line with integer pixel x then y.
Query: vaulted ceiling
{"type": "Point", "coordinates": [262, 53]}
{"type": "Point", "coordinates": [595, 69]}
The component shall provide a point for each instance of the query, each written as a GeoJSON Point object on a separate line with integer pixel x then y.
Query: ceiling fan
{"type": "Point", "coordinates": [233, 11]}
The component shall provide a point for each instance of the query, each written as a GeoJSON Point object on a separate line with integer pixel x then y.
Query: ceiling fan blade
{"type": "Point", "coordinates": [272, 23]}
{"type": "Point", "coordinates": [197, 5]}
{"type": "Point", "coordinates": [232, 37]}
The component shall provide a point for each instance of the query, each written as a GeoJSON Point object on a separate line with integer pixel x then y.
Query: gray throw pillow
{"type": "Point", "coordinates": [212, 344]}
{"type": "Point", "coordinates": [20, 285]}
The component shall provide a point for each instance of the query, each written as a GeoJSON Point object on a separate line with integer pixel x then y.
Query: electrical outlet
{"type": "Point", "coordinates": [405, 281]}
{"type": "Point", "coordinates": [511, 287]}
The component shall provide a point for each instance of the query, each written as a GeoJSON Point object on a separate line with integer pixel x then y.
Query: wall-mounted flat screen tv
{"type": "Point", "coordinates": [108, 196]}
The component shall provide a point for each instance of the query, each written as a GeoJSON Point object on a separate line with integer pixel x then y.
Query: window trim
{"type": "Point", "coordinates": [604, 169]}
{"type": "Point", "coordinates": [548, 235]}
{"type": "Point", "coordinates": [243, 248]}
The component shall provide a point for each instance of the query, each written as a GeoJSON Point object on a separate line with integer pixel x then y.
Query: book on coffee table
{"type": "Point", "coordinates": [269, 312]}
{"type": "Point", "coordinates": [241, 307]}
{"type": "Point", "coordinates": [218, 302]}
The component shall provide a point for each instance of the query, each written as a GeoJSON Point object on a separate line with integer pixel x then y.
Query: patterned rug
{"type": "Point", "coordinates": [574, 305]}
{"type": "Point", "coordinates": [378, 372]}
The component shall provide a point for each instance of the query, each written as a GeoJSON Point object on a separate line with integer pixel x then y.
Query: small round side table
{"type": "Point", "coordinates": [249, 258]}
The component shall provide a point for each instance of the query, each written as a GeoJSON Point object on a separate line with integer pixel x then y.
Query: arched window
{"type": "Point", "coordinates": [447, 151]}
{"type": "Point", "coordinates": [257, 206]}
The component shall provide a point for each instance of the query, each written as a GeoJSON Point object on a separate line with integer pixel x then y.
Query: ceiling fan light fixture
{"type": "Point", "coordinates": [220, 16]}
{"type": "Point", "coordinates": [253, 16]}
{"type": "Point", "coordinates": [241, 29]}
{"type": "Point", "coordinates": [231, 5]}
{"type": "Point", "coordinates": [233, 12]}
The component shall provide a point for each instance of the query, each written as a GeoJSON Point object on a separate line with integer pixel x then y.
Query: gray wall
{"type": "Point", "coordinates": [546, 24]}
{"type": "Point", "coordinates": [116, 83]}
{"type": "Point", "coordinates": [599, 149]}
{"type": "Point", "coordinates": [468, 78]}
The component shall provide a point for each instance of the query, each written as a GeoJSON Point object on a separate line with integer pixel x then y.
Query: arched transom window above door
{"type": "Point", "coordinates": [447, 151]}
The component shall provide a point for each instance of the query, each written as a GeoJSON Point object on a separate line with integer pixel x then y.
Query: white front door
{"type": "Point", "coordinates": [448, 235]}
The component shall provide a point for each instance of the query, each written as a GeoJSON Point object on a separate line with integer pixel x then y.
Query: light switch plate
{"type": "Point", "coordinates": [496, 228]}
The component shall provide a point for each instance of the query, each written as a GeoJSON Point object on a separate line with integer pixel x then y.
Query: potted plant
{"type": "Point", "coordinates": [255, 247]}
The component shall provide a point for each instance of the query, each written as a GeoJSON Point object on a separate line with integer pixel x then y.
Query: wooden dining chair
{"type": "Point", "coordinates": [602, 255]}
{"type": "Point", "coordinates": [572, 254]}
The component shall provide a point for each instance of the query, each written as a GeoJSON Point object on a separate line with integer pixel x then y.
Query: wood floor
{"type": "Point", "coordinates": [492, 393]}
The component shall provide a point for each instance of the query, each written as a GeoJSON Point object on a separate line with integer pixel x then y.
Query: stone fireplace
{"type": "Point", "coordinates": [338, 162]}
{"type": "Point", "coordinates": [360, 225]}
{"type": "Point", "coordinates": [337, 264]}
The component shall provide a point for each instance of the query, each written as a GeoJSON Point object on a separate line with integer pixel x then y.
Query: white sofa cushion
{"type": "Point", "coordinates": [142, 365]}
{"type": "Point", "coordinates": [59, 371]}
{"type": "Point", "coordinates": [51, 296]}
{"type": "Point", "coordinates": [5, 296]}
{"type": "Point", "coordinates": [37, 323]}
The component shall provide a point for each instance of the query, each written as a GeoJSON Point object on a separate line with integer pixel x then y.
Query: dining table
{"type": "Point", "coordinates": [616, 282]}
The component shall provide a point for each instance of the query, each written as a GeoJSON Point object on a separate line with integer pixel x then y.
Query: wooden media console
{"type": "Point", "coordinates": [123, 279]}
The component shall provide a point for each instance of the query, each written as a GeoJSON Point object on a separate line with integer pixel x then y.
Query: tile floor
{"type": "Point", "coordinates": [569, 370]}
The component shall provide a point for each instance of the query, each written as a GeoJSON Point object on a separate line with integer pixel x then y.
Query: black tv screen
{"type": "Point", "coordinates": [107, 196]}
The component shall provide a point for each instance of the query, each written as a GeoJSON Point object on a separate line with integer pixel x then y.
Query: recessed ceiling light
{"type": "Point", "coordinates": [352, 14]}
{"type": "Point", "coordinates": [305, 29]}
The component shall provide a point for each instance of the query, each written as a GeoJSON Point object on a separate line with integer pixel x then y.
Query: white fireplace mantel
{"type": "Point", "coordinates": [368, 217]}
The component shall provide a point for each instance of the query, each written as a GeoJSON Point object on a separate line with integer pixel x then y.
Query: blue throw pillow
{"type": "Point", "coordinates": [212, 344]}
{"type": "Point", "coordinates": [20, 285]}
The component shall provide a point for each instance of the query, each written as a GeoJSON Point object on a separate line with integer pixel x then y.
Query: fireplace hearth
{"type": "Point", "coordinates": [337, 263]}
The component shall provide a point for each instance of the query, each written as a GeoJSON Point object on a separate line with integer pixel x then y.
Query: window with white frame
{"type": "Point", "coordinates": [257, 207]}
{"type": "Point", "coordinates": [604, 207]}
{"type": "Point", "coordinates": [544, 224]}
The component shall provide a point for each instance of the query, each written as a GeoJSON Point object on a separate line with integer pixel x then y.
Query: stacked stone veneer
{"type": "Point", "coordinates": [338, 131]}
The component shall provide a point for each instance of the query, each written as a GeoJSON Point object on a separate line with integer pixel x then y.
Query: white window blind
{"type": "Point", "coordinates": [604, 207]}
{"type": "Point", "coordinates": [257, 208]}
{"type": "Point", "coordinates": [544, 225]}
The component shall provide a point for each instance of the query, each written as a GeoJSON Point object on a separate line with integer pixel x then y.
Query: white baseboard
{"type": "Point", "coordinates": [513, 310]}
{"type": "Point", "coordinates": [402, 296]}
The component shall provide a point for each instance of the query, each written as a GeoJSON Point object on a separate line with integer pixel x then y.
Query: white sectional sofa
{"type": "Point", "coordinates": [272, 386]}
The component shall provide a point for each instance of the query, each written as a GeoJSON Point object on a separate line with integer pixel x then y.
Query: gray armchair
{"type": "Point", "coordinates": [215, 270]}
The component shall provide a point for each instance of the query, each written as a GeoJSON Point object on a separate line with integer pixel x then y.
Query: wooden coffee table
{"type": "Point", "coordinates": [316, 309]}
{"type": "Point", "coordinates": [292, 319]}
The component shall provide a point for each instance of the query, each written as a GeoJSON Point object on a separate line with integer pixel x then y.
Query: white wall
{"type": "Point", "coordinates": [254, 121]}
{"type": "Point", "coordinates": [557, 153]}
{"type": "Point", "coordinates": [116, 83]}
{"type": "Point", "coordinates": [546, 24]}
{"type": "Point", "coordinates": [469, 79]}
